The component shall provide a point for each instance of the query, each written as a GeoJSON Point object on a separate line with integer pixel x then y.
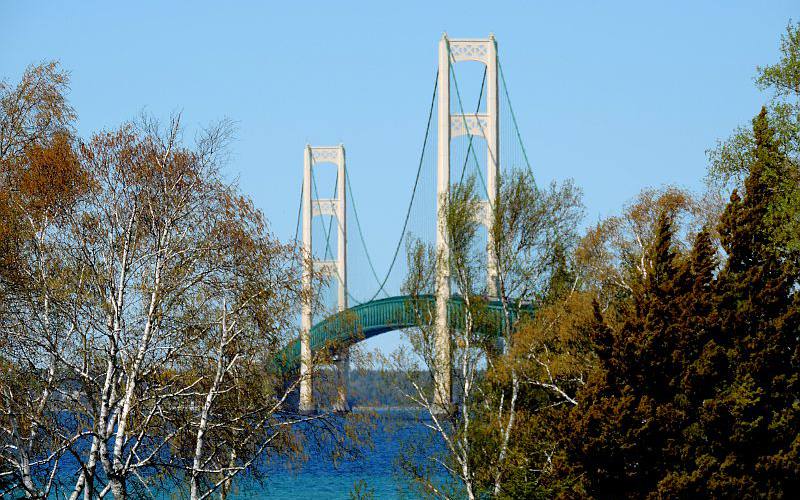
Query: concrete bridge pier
{"type": "Point", "coordinates": [340, 403]}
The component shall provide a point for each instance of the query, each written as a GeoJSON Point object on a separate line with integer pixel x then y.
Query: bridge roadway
{"type": "Point", "coordinates": [373, 318]}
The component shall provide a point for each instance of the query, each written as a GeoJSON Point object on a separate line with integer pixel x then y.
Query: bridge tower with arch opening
{"type": "Point", "coordinates": [335, 269]}
{"type": "Point", "coordinates": [452, 125]}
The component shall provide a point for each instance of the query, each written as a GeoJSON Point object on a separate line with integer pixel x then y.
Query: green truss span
{"type": "Point", "coordinates": [380, 316]}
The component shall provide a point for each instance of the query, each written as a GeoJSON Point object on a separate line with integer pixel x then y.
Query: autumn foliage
{"type": "Point", "coordinates": [141, 298]}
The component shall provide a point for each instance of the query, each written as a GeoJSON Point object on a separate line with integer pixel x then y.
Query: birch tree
{"type": "Point", "coordinates": [530, 227]}
{"type": "Point", "coordinates": [40, 179]}
{"type": "Point", "coordinates": [614, 256]}
{"type": "Point", "coordinates": [143, 300]}
{"type": "Point", "coordinates": [186, 296]}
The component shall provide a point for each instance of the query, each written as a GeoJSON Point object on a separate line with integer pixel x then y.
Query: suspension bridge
{"type": "Point", "coordinates": [484, 143]}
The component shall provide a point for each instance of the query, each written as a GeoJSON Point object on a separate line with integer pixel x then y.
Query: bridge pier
{"type": "Point", "coordinates": [340, 403]}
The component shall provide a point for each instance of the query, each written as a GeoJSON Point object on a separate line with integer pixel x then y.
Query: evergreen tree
{"type": "Point", "coordinates": [627, 426]}
{"type": "Point", "coordinates": [745, 441]}
{"type": "Point", "coordinates": [697, 392]}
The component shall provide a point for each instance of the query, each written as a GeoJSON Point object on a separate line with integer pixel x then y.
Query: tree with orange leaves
{"type": "Point", "coordinates": [142, 299]}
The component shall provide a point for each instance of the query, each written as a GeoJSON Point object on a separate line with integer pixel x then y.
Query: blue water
{"type": "Point", "coordinates": [373, 466]}
{"type": "Point", "coordinates": [320, 479]}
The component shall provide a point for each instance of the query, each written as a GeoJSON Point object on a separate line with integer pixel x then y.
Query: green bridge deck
{"type": "Point", "coordinates": [373, 318]}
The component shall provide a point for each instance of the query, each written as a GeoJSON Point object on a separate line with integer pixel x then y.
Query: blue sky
{"type": "Point", "coordinates": [617, 95]}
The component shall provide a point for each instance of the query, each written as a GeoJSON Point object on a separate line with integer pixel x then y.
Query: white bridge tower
{"type": "Point", "coordinates": [335, 269]}
{"type": "Point", "coordinates": [451, 125]}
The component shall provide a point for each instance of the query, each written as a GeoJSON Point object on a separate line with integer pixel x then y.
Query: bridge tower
{"type": "Point", "coordinates": [336, 269]}
{"type": "Point", "coordinates": [451, 125]}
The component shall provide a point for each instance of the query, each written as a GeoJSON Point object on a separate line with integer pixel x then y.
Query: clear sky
{"type": "Point", "coordinates": [617, 95]}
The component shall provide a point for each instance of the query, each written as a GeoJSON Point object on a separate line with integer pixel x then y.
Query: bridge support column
{"type": "Point", "coordinates": [492, 164]}
{"type": "Point", "coordinates": [484, 125]}
{"type": "Point", "coordinates": [442, 370]}
{"type": "Point", "coordinates": [343, 362]}
{"type": "Point", "coordinates": [306, 396]}
{"type": "Point", "coordinates": [337, 269]}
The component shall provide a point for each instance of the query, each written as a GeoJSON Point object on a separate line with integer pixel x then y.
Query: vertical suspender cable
{"type": "Point", "coordinates": [414, 190]}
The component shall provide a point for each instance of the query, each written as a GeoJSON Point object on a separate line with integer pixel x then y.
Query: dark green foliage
{"type": "Point", "coordinates": [747, 439]}
{"type": "Point", "coordinates": [697, 391]}
{"type": "Point", "coordinates": [628, 420]}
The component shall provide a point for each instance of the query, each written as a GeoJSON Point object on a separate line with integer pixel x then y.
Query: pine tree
{"type": "Point", "coordinates": [628, 424]}
{"type": "Point", "coordinates": [697, 393]}
{"type": "Point", "coordinates": [746, 440]}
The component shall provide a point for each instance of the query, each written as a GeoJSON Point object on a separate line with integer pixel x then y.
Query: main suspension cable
{"type": "Point", "coordinates": [514, 117]}
{"type": "Point", "coordinates": [361, 232]}
{"type": "Point", "coordinates": [299, 211]}
{"type": "Point", "coordinates": [383, 282]}
{"type": "Point", "coordinates": [414, 190]}
{"type": "Point", "coordinates": [328, 251]}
